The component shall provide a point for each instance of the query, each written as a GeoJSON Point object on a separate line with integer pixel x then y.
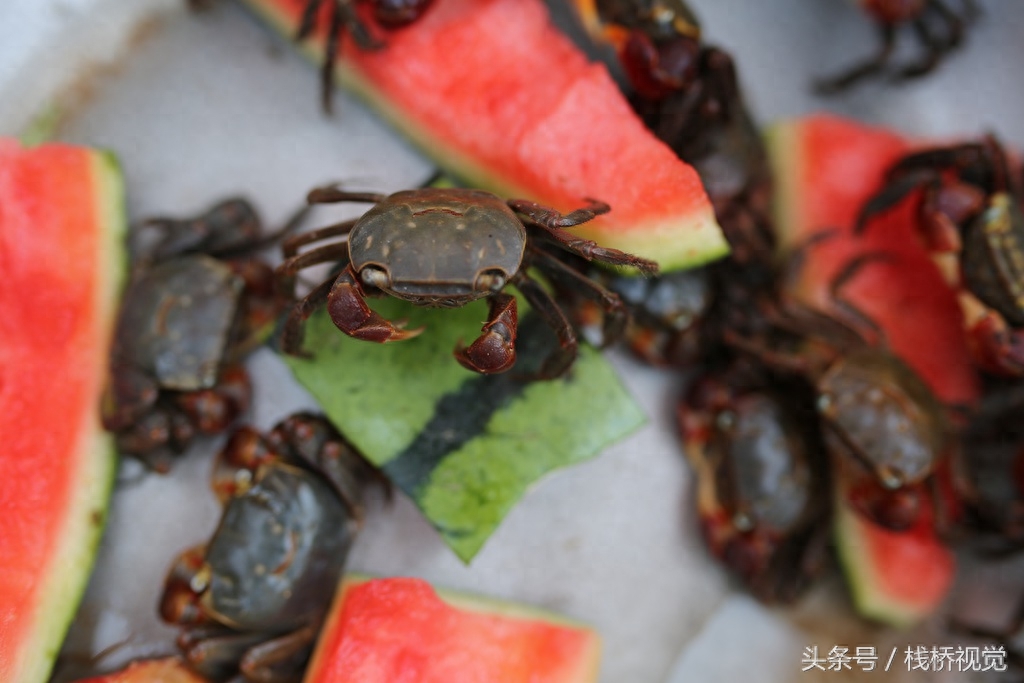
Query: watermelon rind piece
{"type": "Point", "coordinates": [464, 447]}
{"type": "Point", "coordinates": [675, 242]}
{"type": "Point", "coordinates": [825, 168]}
{"type": "Point", "coordinates": [67, 574]}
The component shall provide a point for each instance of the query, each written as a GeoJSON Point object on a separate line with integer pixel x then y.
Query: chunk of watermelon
{"type": "Point", "coordinates": [168, 670]}
{"type": "Point", "coordinates": [61, 245]}
{"type": "Point", "coordinates": [825, 169]}
{"type": "Point", "coordinates": [498, 96]}
{"type": "Point", "coordinates": [401, 629]}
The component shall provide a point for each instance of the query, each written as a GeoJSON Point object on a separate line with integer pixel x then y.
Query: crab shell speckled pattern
{"type": "Point", "coordinates": [434, 244]}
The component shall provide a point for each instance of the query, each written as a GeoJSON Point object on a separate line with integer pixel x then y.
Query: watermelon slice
{"type": "Point", "coordinates": [61, 231]}
{"type": "Point", "coordinates": [897, 578]}
{"type": "Point", "coordinates": [826, 167]}
{"type": "Point", "coordinates": [168, 670]}
{"type": "Point", "coordinates": [496, 95]}
{"type": "Point", "coordinates": [400, 629]}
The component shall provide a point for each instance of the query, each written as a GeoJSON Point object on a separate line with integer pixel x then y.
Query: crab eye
{"type": "Point", "coordinates": [490, 279]}
{"type": "Point", "coordinates": [375, 277]}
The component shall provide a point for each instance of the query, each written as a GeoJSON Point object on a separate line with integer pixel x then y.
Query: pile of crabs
{"type": "Point", "coordinates": [787, 402]}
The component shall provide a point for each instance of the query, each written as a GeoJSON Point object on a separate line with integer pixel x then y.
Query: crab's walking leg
{"type": "Point", "coordinates": [292, 336]}
{"type": "Point", "coordinates": [551, 219]}
{"type": "Point", "coordinates": [553, 222]}
{"type": "Point", "coordinates": [561, 359]}
{"type": "Point", "coordinates": [853, 313]}
{"type": "Point", "coordinates": [291, 246]}
{"type": "Point", "coordinates": [870, 67]}
{"type": "Point", "coordinates": [286, 272]}
{"type": "Point", "coordinates": [347, 307]}
{"type": "Point", "coordinates": [615, 313]}
{"type": "Point", "coordinates": [894, 192]}
{"type": "Point", "coordinates": [494, 350]}
{"type": "Point", "coordinates": [333, 195]}
{"type": "Point", "coordinates": [934, 49]}
{"type": "Point", "coordinates": [279, 660]}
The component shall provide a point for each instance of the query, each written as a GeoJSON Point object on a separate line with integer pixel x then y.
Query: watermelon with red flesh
{"type": "Point", "coordinates": [401, 629]}
{"type": "Point", "coordinates": [826, 168]}
{"type": "Point", "coordinates": [496, 95]}
{"type": "Point", "coordinates": [169, 670]}
{"type": "Point", "coordinates": [61, 233]}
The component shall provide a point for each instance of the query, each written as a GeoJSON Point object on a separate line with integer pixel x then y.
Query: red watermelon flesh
{"type": "Point", "coordinates": [498, 96]}
{"type": "Point", "coordinates": [400, 629]}
{"type": "Point", "coordinates": [152, 671]}
{"type": "Point", "coordinates": [61, 232]}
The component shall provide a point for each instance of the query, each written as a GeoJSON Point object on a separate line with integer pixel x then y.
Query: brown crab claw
{"type": "Point", "coordinates": [494, 350]}
{"type": "Point", "coordinates": [346, 304]}
{"type": "Point", "coordinates": [489, 355]}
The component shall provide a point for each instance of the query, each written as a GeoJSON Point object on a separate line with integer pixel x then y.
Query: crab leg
{"type": "Point", "coordinates": [863, 70]}
{"type": "Point", "coordinates": [561, 359]}
{"type": "Point", "coordinates": [553, 222]}
{"type": "Point", "coordinates": [347, 307]}
{"type": "Point", "coordinates": [291, 337]}
{"type": "Point", "coordinates": [291, 246]}
{"type": "Point", "coordinates": [285, 273]}
{"type": "Point", "coordinates": [616, 316]}
{"type": "Point", "coordinates": [551, 219]}
{"type": "Point", "coordinates": [494, 350]}
{"type": "Point", "coordinates": [279, 660]}
{"type": "Point", "coordinates": [334, 195]}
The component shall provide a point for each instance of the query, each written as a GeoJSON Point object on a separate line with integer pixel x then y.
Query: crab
{"type": "Point", "coordinates": [445, 248]}
{"type": "Point", "coordinates": [885, 429]}
{"type": "Point", "coordinates": [970, 205]}
{"type": "Point", "coordinates": [197, 302]}
{"type": "Point", "coordinates": [345, 17]}
{"type": "Point", "coordinates": [924, 17]}
{"type": "Point", "coordinates": [657, 41]}
{"type": "Point", "coordinates": [754, 444]}
{"type": "Point", "coordinates": [251, 601]}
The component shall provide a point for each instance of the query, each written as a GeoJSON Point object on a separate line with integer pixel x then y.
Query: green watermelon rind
{"type": "Point", "coordinates": [779, 138]}
{"type": "Point", "coordinates": [704, 240]}
{"type": "Point", "coordinates": [72, 562]}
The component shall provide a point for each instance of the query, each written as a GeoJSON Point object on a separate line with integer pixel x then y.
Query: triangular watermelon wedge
{"type": "Point", "coordinates": [496, 95]}
{"type": "Point", "coordinates": [62, 227]}
{"type": "Point", "coordinates": [826, 167]}
{"type": "Point", "coordinates": [402, 629]}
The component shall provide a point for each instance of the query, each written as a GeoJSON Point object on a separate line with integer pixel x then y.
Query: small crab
{"type": "Point", "coordinates": [657, 41]}
{"type": "Point", "coordinates": [198, 300]}
{"type": "Point", "coordinates": [885, 428]}
{"type": "Point", "coordinates": [939, 29]}
{"type": "Point", "coordinates": [755, 446]}
{"type": "Point", "coordinates": [445, 248]}
{"type": "Point", "coordinates": [251, 601]}
{"type": "Point", "coordinates": [970, 204]}
{"type": "Point", "coordinates": [345, 16]}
